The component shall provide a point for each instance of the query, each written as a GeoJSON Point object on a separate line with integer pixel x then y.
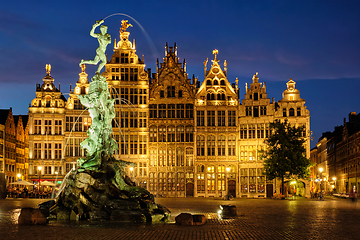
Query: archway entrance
{"type": "Point", "coordinates": [232, 187]}
{"type": "Point", "coordinates": [189, 190]}
{"type": "Point", "coordinates": [295, 188]}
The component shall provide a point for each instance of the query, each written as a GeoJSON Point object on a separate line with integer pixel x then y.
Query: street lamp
{"type": "Point", "coordinates": [19, 176]}
{"type": "Point", "coordinates": [320, 169]}
{"type": "Point", "coordinates": [227, 180]}
{"type": "Point", "coordinates": [131, 171]}
{"type": "Point", "coordinates": [39, 168]}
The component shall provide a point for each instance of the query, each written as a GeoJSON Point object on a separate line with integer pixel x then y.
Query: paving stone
{"type": "Point", "coordinates": [256, 219]}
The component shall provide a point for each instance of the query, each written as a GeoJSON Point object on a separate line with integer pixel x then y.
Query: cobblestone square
{"type": "Point", "coordinates": [257, 219]}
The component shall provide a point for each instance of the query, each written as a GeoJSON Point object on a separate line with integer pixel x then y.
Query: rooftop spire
{"type": "Point", "coordinates": [48, 69]}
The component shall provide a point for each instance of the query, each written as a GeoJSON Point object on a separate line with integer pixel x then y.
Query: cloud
{"type": "Point", "coordinates": [291, 59]}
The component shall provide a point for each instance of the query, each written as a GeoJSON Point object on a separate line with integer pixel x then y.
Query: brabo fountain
{"type": "Point", "coordinates": [99, 188]}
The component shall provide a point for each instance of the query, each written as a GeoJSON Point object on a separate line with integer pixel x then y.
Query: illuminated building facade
{"type": "Point", "coordinates": [171, 128]}
{"type": "Point", "coordinates": [343, 156]}
{"type": "Point", "coordinates": [129, 85]}
{"type": "Point", "coordinates": [57, 127]}
{"type": "Point", "coordinates": [14, 142]}
{"type": "Point", "coordinates": [216, 114]}
{"type": "Point", "coordinates": [255, 114]}
{"type": "Point", "coordinates": [186, 138]}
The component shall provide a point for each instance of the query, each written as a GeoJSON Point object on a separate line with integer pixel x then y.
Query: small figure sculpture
{"type": "Point", "coordinates": [104, 39]}
{"type": "Point", "coordinates": [124, 25]}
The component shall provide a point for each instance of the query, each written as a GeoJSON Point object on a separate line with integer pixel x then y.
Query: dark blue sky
{"type": "Point", "coordinates": [317, 43]}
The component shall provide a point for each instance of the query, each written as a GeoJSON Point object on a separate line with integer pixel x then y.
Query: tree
{"type": "Point", "coordinates": [285, 155]}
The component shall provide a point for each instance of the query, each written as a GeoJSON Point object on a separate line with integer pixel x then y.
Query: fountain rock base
{"type": "Point", "coordinates": [97, 195]}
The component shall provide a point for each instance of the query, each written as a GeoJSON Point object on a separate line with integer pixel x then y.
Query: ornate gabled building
{"type": "Point", "coordinates": [216, 130]}
{"type": "Point", "coordinates": [255, 114]}
{"type": "Point", "coordinates": [77, 122]}
{"type": "Point", "coordinates": [22, 147]}
{"type": "Point", "coordinates": [13, 146]}
{"type": "Point", "coordinates": [129, 85]}
{"type": "Point", "coordinates": [46, 131]}
{"type": "Point", "coordinates": [9, 134]}
{"type": "Point", "coordinates": [2, 148]}
{"type": "Point", "coordinates": [292, 107]}
{"type": "Point", "coordinates": [171, 128]}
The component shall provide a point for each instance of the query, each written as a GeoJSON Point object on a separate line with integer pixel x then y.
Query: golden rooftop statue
{"type": "Point", "coordinates": [124, 25]}
{"type": "Point", "coordinates": [83, 67]}
{"type": "Point", "coordinates": [48, 69]}
{"type": "Point", "coordinates": [215, 52]}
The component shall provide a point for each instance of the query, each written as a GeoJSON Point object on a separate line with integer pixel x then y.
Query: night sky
{"type": "Point", "coordinates": [316, 43]}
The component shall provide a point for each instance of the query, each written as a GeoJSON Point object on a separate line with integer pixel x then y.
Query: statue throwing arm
{"type": "Point", "coordinates": [104, 39]}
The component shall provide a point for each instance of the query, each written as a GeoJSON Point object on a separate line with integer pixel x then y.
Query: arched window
{"type": "Point", "coordinates": [180, 134]}
{"type": "Point", "coordinates": [210, 96]}
{"type": "Point", "coordinates": [161, 157]}
{"type": "Point", "coordinates": [153, 153]}
{"type": "Point", "coordinates": [171, 157]}
{"type": "Point", "coordinates": [153, 134]}
{"type": "Point", "coordinates": [222, 83]}
{"type": "Point", "coordinates": [220, 96]}
{"type": "Point", "coordinates": [171, 134]}
{"type": "Point", "coordinates": [180, 157]}
{"type": "Point", "coordinates": [291, 112]}
{"type": "Point", "coordinates": [221, 145]}
{"type": "Point", "coordinates": [189, 134]}
{"type": "Point", "coordinates": [200, 145]}
{"type": "Point", "coordinates": [189, 157]}
{"type": "Point", "coordinates": [211, 145]}
{"type": "Point", "coordinates": [208, 82]}
{"type": "Point", "coordinates": [232, 145]}
{"type": "Point", "coordinates": [216, 82]}
{"type": "Point", "coordinates": [162, 134]}
{"type": "Point", "coordinates": [201, 168]}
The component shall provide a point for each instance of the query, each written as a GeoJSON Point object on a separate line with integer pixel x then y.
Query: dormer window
{"type": "Point", "coordinates": [222, 83]}
{"type": "Point", "coordinates": [210, 96]}
{"type": "Point", "coordinates": [221, 96]}
{"type": "Point", "coordinates": [291, 112]}
{"type": "Point", "coordinates": [124, 58]}
{"type": "Point", "coordinates": [216, 82]}
{"type": "Point", "coordinates": [208, 82]}
{"type": "Point", "coordinates": [170, 91]}
{"type": "Point", "coordinates": [256, 96]}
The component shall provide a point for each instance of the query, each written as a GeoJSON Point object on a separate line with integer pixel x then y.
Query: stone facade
{"type": "Point", "coordinates": [14, 142]}
{"type": "Point", "coordinates": [185, 137]}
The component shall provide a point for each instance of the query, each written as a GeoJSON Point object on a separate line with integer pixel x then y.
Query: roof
{"type": "Point", "coordinates": [24, 118]}
{"type": "Point", "coordinates": [3, 115]}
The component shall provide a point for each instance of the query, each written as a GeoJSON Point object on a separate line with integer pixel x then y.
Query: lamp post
{"type": "Point", "coordinates": [39, 168]}
{"type": "Point", "coordinates": [19, 176]}
{"type": "Point", "coordinates": [131, 172]}
{"type": "Point", "coordinates": [320, 169]}
{"type": "Point", "coordinates": [227, 180]}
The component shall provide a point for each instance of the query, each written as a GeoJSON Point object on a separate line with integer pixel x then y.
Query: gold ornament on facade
{"type": "Point", "coordinates": [48, 69]}
{"type": "Point", "coordinates": [124, 25]}
{"type": "Point", "coordinates": [215, 52]}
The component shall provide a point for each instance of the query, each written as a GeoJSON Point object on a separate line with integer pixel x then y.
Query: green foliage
{"type": "Point", "coordinates": [285, 155]}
